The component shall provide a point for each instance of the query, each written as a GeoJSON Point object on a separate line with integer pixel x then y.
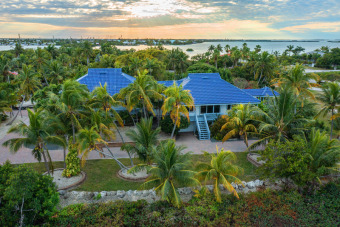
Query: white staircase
{"type": "Point", "coordinates": [202, 127]}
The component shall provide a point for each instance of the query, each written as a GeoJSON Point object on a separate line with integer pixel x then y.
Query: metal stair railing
{"type": "Point", "coordinates": [206, 125]}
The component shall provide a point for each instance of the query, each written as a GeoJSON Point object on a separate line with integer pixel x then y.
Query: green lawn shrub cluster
{"type": "Point", "coordinates": [26, 196]}
{"type": "Point", "coordinates": [263, 208]}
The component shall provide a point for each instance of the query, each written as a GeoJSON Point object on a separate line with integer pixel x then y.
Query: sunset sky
{"type": "Point", "coordinates": [243, 19]}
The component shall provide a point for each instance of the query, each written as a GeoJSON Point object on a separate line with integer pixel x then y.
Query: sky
{"type": "Point", "coordinates": [172, 19]}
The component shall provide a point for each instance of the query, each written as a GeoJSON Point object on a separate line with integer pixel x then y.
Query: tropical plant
{"type": "Point", "coordinates": [281, 121]}
{"type": "Point", "coordinates": [72, 162]}
{"type": "Point", "coordinates": [171, 168]}
{"type": "Point", "coordinates": [27, 197]}
{"type": "Point", "coordinates": [176, 103]}
{"type": "Point", "coordinates": [90, 140]}
{"type": "Point", "coordinates": [299, 82]}
{"type": "Point", "coordinates": [144, 138]}
{"type": "Point", "coordinates": [220, 170]}
{"type": "Point", "coordinates": [140, 92]}
{"type": "Point", "coordinates": [330, 96]}
{"type": "Point", "coordinates": [241, 123]}
{"type": "Point", "coordinates": [324, 153]}
{"type": "Point", "coordinates": [28, 83]}
{"type": "Point", "coordinates": [35, 136]}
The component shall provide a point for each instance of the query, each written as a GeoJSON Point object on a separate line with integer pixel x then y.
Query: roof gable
{"type": "Point", "coordinates": [113, 77]}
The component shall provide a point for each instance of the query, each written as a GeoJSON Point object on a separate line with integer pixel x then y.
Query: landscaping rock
{"type": "Point", "coordinates": [145, 193]}
{"type": "Point", "coordinates": [250, 184]}
{"type": "Point", "coordinates": [112, 193]}
{"type": "Point", "coordinates": [103, 193]}
{"type": "Point", "coordinates": [187, 191]}
{"type": "Point", "coordinates": [121, 194]}
{"type": "Point", "coordinates": [62, 192]}
{"type": "Point", "coordinates": [138, 193]}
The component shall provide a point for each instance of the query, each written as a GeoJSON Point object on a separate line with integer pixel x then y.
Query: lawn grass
{"type": "Point", "coordinates": [102, 173]}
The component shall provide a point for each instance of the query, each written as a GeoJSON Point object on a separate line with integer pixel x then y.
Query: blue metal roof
{"type": "Point", "coordinates": [205, 88]}
{"type": "Point", "coordinates": [114, 78]}
{"type": "Point", "coordinates": [209, 88]}
{"type": "Point", "coordinates": [262, 92]}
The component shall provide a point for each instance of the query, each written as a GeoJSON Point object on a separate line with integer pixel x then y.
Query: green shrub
{"type": "Point", "coordinates": [287, 159]}
{"type": "Point", "coordinates": [72, 162]}
{"type": "Point", "coordinates": [262, 208]}
{"type": "Point", "coordinates": [24, 189]}
{"type": "Point", "coordinates": [167, 124]}
{"type": "Point", "coordinates": [215, 127]}
{"type": "Point", "coordinates": [126, 117]}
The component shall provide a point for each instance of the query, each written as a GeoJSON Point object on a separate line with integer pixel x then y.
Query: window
{"type": "Point", "coordinates": [216, 109]}
{"type": "Point", "coordinates": [229, 107]}
{"type": "Point", "coordinates": [210, 109]}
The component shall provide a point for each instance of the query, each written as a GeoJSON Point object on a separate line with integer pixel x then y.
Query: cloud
{"type": "Point", "coordinates": [290, 18]}
{"type": "Point", "coordinates": [319, 26]}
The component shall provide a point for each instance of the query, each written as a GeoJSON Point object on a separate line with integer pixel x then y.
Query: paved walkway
{"type": "Point", "coordinates": [193, 145]}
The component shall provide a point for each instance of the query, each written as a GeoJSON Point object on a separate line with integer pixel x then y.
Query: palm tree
{"type": "Point", "coordinates": [144, 138]}
{"type": "Point", "coordinates": [135, 65]}
{"type": "Point", "coordinates": [104, 101]}
{"type": "Point", "coordinates": [290, 48]}
{"type": "Point", "coordinates": [176, 104]}
{"type": "Point", "coordinates": [241, 123]}
{"type": "Point", "coordinates": [36, 134]}
{"type": "Point", "coordinates": [171, 169]}
{"type": "Point", "coordinates": [299, 82]}
{"type": "Point", "coordinates": [211, 49]}
{"type": "Point", "coordinates": [227, 48]}
{"type": "Point", "coordinates": [220, 170]}
{"type": "Point", "coordinates": [52, 50]}
{"type": "Point", "coordinates": [281, 121]}
{"type": "Point", "coordinates": [265, 67]}
{"type": "Point", "coordinates": [140, 92]}
{"type": "Point", "coordinates": [330, 96]}
{"type": "Point", "coordinates": [150, 64]}
{"type": "Point", "coordinates": [87, 51]}
{"type": "Point", "coordinates": [70, 105]}
{"type": "Point", "coordinates": [18, 49]}
{"type": "Point", "coordinates": [235, 55]}
{"type": "Point", "coordinates": [28, 84]}
{"type": "Point", "coordinates": [90, 140]}
{"type": "Point", "coordinates": [257, 48]}
{"type": "Point", "coordinates": [323, 152]}
{"type": "Point", "coordinates": [216, 54]}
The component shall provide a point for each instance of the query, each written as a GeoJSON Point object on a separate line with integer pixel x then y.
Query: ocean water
{"type": "Point", "coordinates": [200, 48]}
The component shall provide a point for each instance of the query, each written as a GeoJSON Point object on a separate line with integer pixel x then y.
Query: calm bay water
{"type": "Point", "coordinates": [200, 48]}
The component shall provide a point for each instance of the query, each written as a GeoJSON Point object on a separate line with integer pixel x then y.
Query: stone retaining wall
{"type": "Point", "coordinates": [74, 197]}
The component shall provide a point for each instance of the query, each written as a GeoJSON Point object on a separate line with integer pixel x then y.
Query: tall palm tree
{"type": "Point", "coordinates": [87, 51]}
{"type": "Point", "coordinates": [104, 101]}
{"type": "Point", "coordinates": [330, 96]}
{"type": "Point", "coordinates": [265, 67]}
{"type": "Point", "coordinates": [176, 103]}
{"type": "Point", "coordinates": [140, 92]}
{"type": "Point", "coordinates": [70, 105]}
{"type": "Point", "coordinates": [280, 121]}
{"type": "Point", "coordinates": [221, 170]}
{"type": "Point", "coordinates": [299, 82]}
{"type": "Point", "coordinates": [89, 140]}
{"type": "Point", "coordinates": [28, 84]}
{"type": "Point", "coordinates": [235, 55]}
{"type": "Point", "coordinates": [144, 138]}
{"type": "Point", "coordinates": [171, 169]}
{"type": "Point", "coordinates": [241, 123]}
{"type": "Point", "coordinates": [36, 134]}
